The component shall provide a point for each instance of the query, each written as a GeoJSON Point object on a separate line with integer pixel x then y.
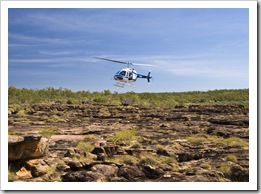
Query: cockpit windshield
{"type": "Point", "coordinates": [123, 73]}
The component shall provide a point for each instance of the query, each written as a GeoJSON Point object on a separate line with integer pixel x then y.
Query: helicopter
{"type": "Point", "coordinates": [127, 75]}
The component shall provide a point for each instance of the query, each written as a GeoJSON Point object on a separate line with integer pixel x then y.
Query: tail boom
{"type": "Point", "coordinates": [148, 77]}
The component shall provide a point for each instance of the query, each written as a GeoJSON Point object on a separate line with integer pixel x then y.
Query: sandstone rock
{"type": "Point", "coordinates": [132, 151]}
{"type": "Point", "coordinates": [28, 147]}
{"type": "Point", "coordinates": [106, 170]}
{"type": "Point", "coordinates": [69, 153]}
{"type": "Point", "coordinates": [167, 152]}
{"type": "Point", "coordinates": [111, 149]}
{"type": "Point", "coordinates": [37, 167]}
{"type": "Point", "coordinates": [75, 165]}
{"type": "Point", "coordinates": [239, 174]}
{"type": "Point", "coordinates": [164, 125]}
{"type": "Point", "coordinates": [63, 167]}
{"type": "Point", "coordinates": [131, 173]}
{"type": "Point", "coordinates": [152, 173]}
{"type": "Point", "coordinates": [165, 167]}
{"type": "Point", "coordinates": [98, 150]}
{"type": "Point", "coordinates": [83, 176]}
{"type": "Point", "coordinates": [24, 173]}
{"type": "Point", "coordinates": [118, 179]}
{"type": "Point", "coordinates": [173, 177]}
{"type": "Point", "coordinates": [152, 129]}
{"type": "Point", "coordinates": [92, 156]}
{"type": "Point", "coordinates": [12, 140]}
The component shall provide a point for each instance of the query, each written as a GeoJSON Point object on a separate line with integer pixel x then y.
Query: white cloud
{"type": "Point", "coordinates": [26, 40]}
{"type": "Point", "coordinates": [51, 60]}
{"type": "Point", "coordinates": [200, 65]}
{"type": "Point", "coordinates": [57, 53]}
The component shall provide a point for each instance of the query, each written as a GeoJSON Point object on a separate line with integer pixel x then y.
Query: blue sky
{"type": "Point", "coordinates": [192, 49]}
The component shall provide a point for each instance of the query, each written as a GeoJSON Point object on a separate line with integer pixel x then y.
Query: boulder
{"type": "Point", "coordinates": [24, 173]}
{"type": "Point", "coordinates": [106, 170]}
{"type": "Point", "coordinates": [69, 153]}
{"type": "Point", "coordinates": [111, 149]}
{"type": "Point", "coordinates": [238, 173]}
{"type": "Point", "coordinates": [75, 165]}
{"type": "Point", "coordinates": [173, 177]}
{"type": "Point", "coordinates": [152, 173]}
{"type": "Point", "coordinates": [98, 150]}
{"type": "Point", "coordinates": [131, 173]}
{"type": "Point", "coordinates": [83, 176]}
{"type": "Point", "coordinates": [37, 167]}
{"type": "Point", "coordinates": [28, 147]}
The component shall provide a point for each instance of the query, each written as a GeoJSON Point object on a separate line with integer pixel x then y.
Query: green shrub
{"type": "Point", "coordinates": [149, 159]}
{"type": "Point", "coordinates": [225, 168]}
{"type": "Point", "coordinates": [231, 157]}
{"type": "Point", "coordinates": [56, 119]}
{"type": "Point", "coordinates": [197, 139]}
{"type": "Point", "coordinates": [85, 146]}
{"type": "Point", "coordinates": [46, 132]}
{"type": "Point", "coordinates": [163, 99]}
{"type": "Point", "coordinates": [90, 138]}
{"type": "Point", "coordinates": [10, 132]}
{"type": "Point", "coordinates": [127, 136]}
{"type": "Point", "coordinates": [101, 99]}
{"type": "Point", "coordinates": [176, 145]}
{"type": "Point", "coordinates": [11, 173]}
{"type": "Point", "coordinates": [205, 165]}
{"type": "Point", "coordinates": [70, 101]}
{"type": "Point", "coordinates": [104, 112]}
{"type": "Point", "coordinates": [160, 149]}
{"type": "Point", "coordinates": [235, 142]}
{"type": "Point", "coordinates": [168, 159]}
{"type": "Point", "coordinates": [123, 159]}
{"type": "Point", "coordinates": [136, 145]}
{"type": "Point", "coordinates": [53, 174]}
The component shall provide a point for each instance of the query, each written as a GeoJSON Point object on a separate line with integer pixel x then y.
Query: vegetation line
{"type": "Point", "coordinates": [162, 100]}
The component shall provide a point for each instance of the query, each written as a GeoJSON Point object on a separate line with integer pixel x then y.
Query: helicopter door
{"type": "Point", "coordinates": [130, 76]}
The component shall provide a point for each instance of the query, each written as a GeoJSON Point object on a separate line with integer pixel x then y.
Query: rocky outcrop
{"type": "Point", "coordinates": [83, 176]}
{"type": "Point", "coordinates": [187, 143]}
{"type": "Point", "coordinates": [27, 147]}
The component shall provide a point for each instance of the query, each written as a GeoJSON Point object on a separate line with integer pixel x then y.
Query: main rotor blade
{"type": "Point", "coordinates": [141, 64]}
{"type": "Point", "coordinates": [113, 60]}
{"type": "Point", "coordinates": [128, 63]}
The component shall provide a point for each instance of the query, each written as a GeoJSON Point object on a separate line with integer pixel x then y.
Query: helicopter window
{"type": "Point", "coordinates": [123, 73]}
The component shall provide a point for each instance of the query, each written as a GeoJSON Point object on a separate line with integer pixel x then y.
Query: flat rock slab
{"type": "Point", "coordinates": [28, 147]}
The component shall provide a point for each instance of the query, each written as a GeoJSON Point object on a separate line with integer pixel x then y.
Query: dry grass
{"type": "Point", "coordinates": [85, 146]}
{"type": "Point", "coordinates": [231, 157]}
{"type": "Point", "coordinates": [46, 132]}
{"type": "Point", "coordinates": [126, 136]}
{"type": "Point", "coordinates": [236, 142]}
{"type": "Point", "coordinates": [225, 168]}
{"type": "Point", "coordinates": [123, 159]}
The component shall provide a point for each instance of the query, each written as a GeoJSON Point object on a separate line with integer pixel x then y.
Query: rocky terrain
{"type": "Point", "coordinates": [94, 142]}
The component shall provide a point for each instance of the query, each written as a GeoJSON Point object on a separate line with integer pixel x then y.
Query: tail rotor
{"type": "Point", "coordinates": [149, 77]}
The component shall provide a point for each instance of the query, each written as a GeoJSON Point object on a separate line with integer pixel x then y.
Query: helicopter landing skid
{"type": "Point", "coordinates": [118, 84]}
{"type": "Point", "coordinates": [121, 85]}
